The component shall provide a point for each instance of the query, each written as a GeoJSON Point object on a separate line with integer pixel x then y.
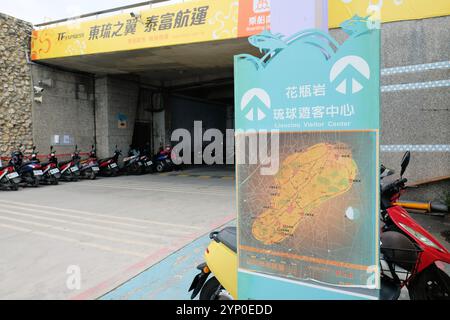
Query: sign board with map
{"type": "Point", "coordinates": [308, 228]}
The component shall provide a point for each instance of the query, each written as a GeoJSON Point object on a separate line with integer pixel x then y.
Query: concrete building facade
{"type": "Point", "coordinates": [110, 108]}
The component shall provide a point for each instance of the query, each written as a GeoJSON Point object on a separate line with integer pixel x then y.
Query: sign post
{"type": "Point", "coordinates": [308, 207]}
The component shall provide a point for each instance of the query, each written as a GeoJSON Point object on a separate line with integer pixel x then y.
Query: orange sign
{"type": "Point", "coordinates": [254, 17]}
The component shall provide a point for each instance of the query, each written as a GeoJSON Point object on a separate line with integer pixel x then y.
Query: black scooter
{"type": "Point", "coordinates": [30, 172]}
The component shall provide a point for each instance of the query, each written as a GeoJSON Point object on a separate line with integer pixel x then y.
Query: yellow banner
{"type": "Point", "coordinates": [391, 10]}
{"type": "Point", "coordinates": [202, 20]}
{"type": "Point", "coordinates": [188, 22]}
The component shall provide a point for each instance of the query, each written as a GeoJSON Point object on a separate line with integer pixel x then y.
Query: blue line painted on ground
{"type": "Point", "coordinates": [169, 279]}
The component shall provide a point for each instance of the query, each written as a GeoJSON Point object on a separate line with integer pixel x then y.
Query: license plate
{"type": "Point", "coordinates": [148, 164]}
{"type": "Point", "coordinates": [139, 164]}
{"type": "Point", "coordinates": [74, 169]}
{"type": "Point", "coordinates": [38, 172]}
{"type": "Point", "coordinates": [113, 165]}
{"type": "Point", "coordinates": [12, 175]}
{"type": "Point", "coordinates": [96, 169]}
{"type": "Point", "coordinates": [54, 171]}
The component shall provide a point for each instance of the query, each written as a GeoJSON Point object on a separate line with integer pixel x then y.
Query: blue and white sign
{"type": "Point", "coordinates": [309, 229]}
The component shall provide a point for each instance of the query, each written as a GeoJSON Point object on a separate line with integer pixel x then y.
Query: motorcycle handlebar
{"type": "Point", "coordinates": [397, 184]}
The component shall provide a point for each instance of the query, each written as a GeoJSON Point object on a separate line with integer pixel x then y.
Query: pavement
{"type": "Point", "coordinates": [104, 232]}
{"type": "Point", "coordinates": [130, 237]}
{"type": "Point", "coordinates": [169, 279]}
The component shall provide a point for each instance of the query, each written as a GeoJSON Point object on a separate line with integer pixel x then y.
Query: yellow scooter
{"type": "Point", "coordinates": [221, 259]}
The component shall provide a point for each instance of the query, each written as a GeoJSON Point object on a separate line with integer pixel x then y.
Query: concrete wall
{"type": "Point", "coordinates": [115, 97]}
{"type": "Point", "coordinates": [15, 85]}
{"type": "Point", "coordinates": [418, 116]}
{"type": "Point", "coordinates": [67, 109]}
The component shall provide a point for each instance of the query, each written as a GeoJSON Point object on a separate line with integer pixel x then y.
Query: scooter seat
{"type": "Point", "coordinates": [23, 165]}
{"type": "Point", "coordinates": [227, 236]}
{"type": "Point", "coordinates": [104, 160]}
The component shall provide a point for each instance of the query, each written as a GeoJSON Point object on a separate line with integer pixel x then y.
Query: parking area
{"type": "Point", "coordinates": [109, 230]}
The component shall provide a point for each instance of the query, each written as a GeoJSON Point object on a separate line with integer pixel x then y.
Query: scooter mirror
{"type": "Point", "coordinates": [405, 162]}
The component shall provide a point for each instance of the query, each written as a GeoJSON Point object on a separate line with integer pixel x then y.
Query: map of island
{"type": "Point", "coordinates": [306, 180]}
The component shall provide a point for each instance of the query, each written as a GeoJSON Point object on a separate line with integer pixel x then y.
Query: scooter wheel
{"type": "Point", "coordinates": [159, 168]}
{"type": "Point", "coordinates": [92, 175]}
{"type": "Point", "coordinates": [430, 284]}
{"type": "Point", "coordinates": [211, 290]}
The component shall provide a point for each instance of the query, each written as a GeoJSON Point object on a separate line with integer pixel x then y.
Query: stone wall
{"type": "Point", "coordinates": [15, 85]}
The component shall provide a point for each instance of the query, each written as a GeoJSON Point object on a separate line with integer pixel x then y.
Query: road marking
{"type": "Point", "coordinates": [71, 216]}
{"type": "Point", "coordinates": [104, 215]}
{"type": "Point", "coordinates": [7, 226]}
{"type": "Point", "coordinates": [169, 186]}
{"type": "Point", "coordinates": [133, 233]}
{"type": "Point", "coordinates": [72, 240]}
{"type": "Point", "coordinates": [132, 271]}
{"type": "Point", "coordinates": [93, 235]}
{"type": "Point", "coordinates": [162, 190]}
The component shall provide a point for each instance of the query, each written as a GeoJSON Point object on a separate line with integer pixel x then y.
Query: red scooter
{"type": "Point", "coordinates": [9, 178]}
{"type": "Point", "coordinates": [410, 255]}
{"type": "Point", "coordinates": [50, 171]}
{"type": "Point", "coordinates": [109, 167]}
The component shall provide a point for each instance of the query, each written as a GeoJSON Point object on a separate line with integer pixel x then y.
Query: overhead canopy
{"type": "Point", "coordinates": [191, 39]}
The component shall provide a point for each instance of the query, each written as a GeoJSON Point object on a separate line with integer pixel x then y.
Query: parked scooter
{"type": "Point", "coordinates": [410, 256]}
{"type": "Point", "coordinates": [133, 163]}
{"type": "Point", "coordinates": [9, 178]}
{"type": "Point", "coordinates": [50, 171]}
{"type": "Point", "coordinates": [109, 167]}
{"type": "Point", "coordinates": [146, 159]}
{"type": "Point", "coordinates": [30, 172]}
{"type": "Point", "coordinates": [69, 168]}
{"type": "Point", "coordinates": [163, 160]}
{"type": "Point", "coordinates": [88, 167]}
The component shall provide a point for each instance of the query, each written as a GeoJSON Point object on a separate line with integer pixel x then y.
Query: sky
{"type": "Point", "coordinates": [38, 11]}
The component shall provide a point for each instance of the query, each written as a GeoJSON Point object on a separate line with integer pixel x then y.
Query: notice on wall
{"type": "Point", "coordinates": [122, 121]}
{"type": "Point", "coordinates": [308, 204]}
